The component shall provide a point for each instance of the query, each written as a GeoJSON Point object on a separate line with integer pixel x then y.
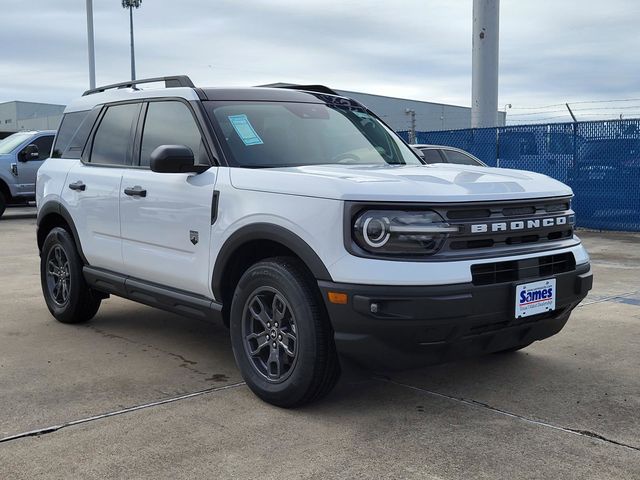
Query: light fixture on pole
{"type": "Point", "coordinates": [507, 105]}
{"type": "Point", "coordinates": [131, 4]}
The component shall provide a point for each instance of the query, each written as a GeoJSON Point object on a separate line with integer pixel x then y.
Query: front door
{"type": "Point", "coordinates": [28, 169]}
{"type": "Point", "coordinates": [166, 217]}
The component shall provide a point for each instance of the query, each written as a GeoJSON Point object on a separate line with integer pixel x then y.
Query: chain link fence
{"type": "Point", "coordinates": [600, 160]}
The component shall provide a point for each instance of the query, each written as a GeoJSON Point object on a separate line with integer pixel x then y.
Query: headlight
{"type": "Point", "coordinates": [400, 232]}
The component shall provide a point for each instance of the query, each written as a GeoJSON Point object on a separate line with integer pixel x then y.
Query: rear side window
{"type": "Point", "coordinates": [44, 146]}
{"type": "Point", "coordinates": [112, 141]}
{"type": "Point", "coordinates": [171, 123]}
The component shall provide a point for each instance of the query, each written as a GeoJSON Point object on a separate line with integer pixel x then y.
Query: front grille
{"type": "Point", "coordinates": [508, 224]}
{"type": "Point", "coordinates": [510, 271]}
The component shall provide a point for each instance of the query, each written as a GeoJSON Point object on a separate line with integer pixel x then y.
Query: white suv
{"type": "Point", "coordinates": [298, 218]}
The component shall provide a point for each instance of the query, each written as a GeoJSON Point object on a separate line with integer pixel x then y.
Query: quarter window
{"type": "Point", "coordinates": [460, 158]}
{"type": "Point", "coordinates": [112, 142]}
{"type": "Point", "coordinates": [171, 123]}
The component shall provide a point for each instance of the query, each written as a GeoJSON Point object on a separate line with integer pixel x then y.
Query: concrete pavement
{"type": "Point", "coordinates": [568, 407]}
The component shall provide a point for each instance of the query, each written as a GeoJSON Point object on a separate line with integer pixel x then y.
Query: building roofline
{"type": "Point", "coordinates": [33, 103]}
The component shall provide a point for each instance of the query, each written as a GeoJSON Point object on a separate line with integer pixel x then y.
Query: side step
{"type": "Point", "coordinates": [154, 295]}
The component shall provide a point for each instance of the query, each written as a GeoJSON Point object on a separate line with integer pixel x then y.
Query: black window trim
{"type": "Point", "coordinates": [211, 142]}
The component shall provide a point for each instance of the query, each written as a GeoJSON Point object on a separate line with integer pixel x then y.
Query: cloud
{"type": "Point", "coordinates": [551, 51]}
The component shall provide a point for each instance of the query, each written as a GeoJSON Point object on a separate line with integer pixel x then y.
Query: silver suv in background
{"type": "Point", "coordinates": [21, 155]}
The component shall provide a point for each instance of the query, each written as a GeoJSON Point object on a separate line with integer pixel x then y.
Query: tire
{"type": "Point", "coordinates": [303, 366]}
{"type": "Point", "coordinates": [513, 349]}
{"type": "Point", "coordinates": [61, 265]}
{"type": "Point", "coordinates": [3, 204]}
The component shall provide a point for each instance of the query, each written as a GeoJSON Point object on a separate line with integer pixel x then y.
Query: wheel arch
{"type": "Point", "coordinates": [5, 190]}
{"type": "Point", "coordinates": [53, 214]}
{"type": "Point", "coordinates": [253, 243]}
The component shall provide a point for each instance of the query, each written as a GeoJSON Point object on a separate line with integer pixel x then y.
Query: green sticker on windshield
{"type": "Point", "coordinates": [245, 130]}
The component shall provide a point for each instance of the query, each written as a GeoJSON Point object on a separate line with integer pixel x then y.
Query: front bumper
{"type": "Point", "coordinates": [415, 326]}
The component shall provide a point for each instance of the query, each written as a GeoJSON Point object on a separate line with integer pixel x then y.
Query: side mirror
{"type": "Point", "coordinates": [174, 159]}
{"type": "Point", "coordinates": [30, 152]}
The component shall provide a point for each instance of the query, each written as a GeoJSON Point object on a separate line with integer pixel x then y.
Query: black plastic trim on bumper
{"type": "Point", "coordinates": [421, 325]}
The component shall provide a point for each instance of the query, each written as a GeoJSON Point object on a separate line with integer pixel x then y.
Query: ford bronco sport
{"type": "Point", "coordinates": [298, 218]}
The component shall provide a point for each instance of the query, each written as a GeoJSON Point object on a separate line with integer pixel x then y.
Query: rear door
{"type": "Point", "coordinates": [166, 217]}
{"type": "Point", "coordinates": [92, 189]}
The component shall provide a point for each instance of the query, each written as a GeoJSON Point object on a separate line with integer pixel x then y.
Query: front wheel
{"type": "Point", "coordinates": [66, 293]}
{"type": "Point", "coordinates": [282, 339]}
{"type": "Point", "coordinates": [3, 204]}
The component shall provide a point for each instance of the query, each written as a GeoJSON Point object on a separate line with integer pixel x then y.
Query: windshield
{"type": "Point", "coordinates": [279, 134]}
{"type": "Point", "coordinates": [10, 143]}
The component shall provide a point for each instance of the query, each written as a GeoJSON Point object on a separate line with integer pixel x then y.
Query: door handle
{"type": "Point", "coordinates": [78, 186]}
{"type": "Point", "coordinates": [136, 191]}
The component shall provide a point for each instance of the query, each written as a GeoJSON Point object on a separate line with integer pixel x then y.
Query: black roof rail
{"type": "Point", "coordinates": [309, 88]}
{"type": "Point", "coordinates": [169, 82]}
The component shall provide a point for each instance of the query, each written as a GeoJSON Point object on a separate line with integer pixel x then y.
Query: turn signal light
{"type": "Point", "coordinates": [338, 298]}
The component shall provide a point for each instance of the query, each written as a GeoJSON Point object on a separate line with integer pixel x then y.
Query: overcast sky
{"type": "Point", "coordinates": [551, 51]}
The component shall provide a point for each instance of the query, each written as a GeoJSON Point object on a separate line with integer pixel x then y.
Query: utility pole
{"type": "Point", "coordinates": [131, 4]}
{"type": "Point", "coordinates": [484, 84]}
{"type": "Point", "coordinates": [412, 130]}
{"type": "Point", "coordinates": [92, 58]}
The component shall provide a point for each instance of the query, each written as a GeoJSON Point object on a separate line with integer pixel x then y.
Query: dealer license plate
{"type": "Point", "coordinates": [536, 297]}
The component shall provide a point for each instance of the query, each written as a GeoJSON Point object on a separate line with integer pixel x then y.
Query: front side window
{"type": "Point", "coordinates": [431, 155]}
{"type": "Point", "coordinates": [283, 134]}
{"type": "Point", "coordinates": [112, 141]}
{"type": "Point", "coordinates": [44, 146]}
{"type": "Point", "coordinates": [171, 123]}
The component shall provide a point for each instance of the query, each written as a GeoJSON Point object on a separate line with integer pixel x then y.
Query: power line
{"type": "Point", "coordinates": [577, 103]}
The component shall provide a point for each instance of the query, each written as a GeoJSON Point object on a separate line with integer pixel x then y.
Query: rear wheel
{"type": "Point", "coordinates": [68, 297]}
{"type": "Point", "coordinates": [281, 336]}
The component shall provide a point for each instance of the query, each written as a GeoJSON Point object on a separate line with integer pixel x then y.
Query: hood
{"type": "Point", "coordinates": [427, 183]}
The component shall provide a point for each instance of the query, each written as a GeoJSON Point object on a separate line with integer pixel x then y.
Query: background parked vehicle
{"type": "Point", "coordinates": [444, 154]}
{"type": "Point", "coordinates": [21, 155]}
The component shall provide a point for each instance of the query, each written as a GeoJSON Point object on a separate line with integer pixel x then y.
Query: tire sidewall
{"type": "Point", "coordinates": [59, 236]}
{"type": "Point", "coordinates": [295, 386]}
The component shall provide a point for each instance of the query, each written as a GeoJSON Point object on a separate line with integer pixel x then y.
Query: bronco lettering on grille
{"type": "Point", "coordinates": [520, 225]}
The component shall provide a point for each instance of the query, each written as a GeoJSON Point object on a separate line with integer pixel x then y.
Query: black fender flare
{"type": "Point", "coordinates": [57, 208]}
{"type": "Point", "coordinates": [271, 232]}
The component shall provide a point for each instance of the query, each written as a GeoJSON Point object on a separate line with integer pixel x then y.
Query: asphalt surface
{"type": "Point", "coordinates": [139, 393]}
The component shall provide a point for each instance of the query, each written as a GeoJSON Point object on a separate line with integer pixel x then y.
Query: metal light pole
{"type": "Point", "coordinates": [92, 58]}
{"type": "Point", "coordinates": [131, 4]}
{"type": "Point", "coordinates": [484, 83]}
{"type": "Point", "coordinates": [508, 105]}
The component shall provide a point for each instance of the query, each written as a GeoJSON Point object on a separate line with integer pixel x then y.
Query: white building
{"type": "Point", "coordinates": [15, 116]}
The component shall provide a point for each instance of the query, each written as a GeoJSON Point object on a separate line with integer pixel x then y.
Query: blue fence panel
{"type": "Point", "coordinates": [599, 160]}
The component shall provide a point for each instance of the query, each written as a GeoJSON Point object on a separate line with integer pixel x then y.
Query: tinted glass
{"type": "Point", "coordinates": [67, 131]}
{"type": "Point", "coordinates": [44, 146]}
{"type": "Point", "coordinates": [270, 134]}
{"type": "Point", "coordinates": [432, 156]}
{"type": "Point", "coordinates": [171, 123]}
{"type": "Point", "coordinates": [112, 143]}
{"type": "Point", "coordinates": [460, 158]}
